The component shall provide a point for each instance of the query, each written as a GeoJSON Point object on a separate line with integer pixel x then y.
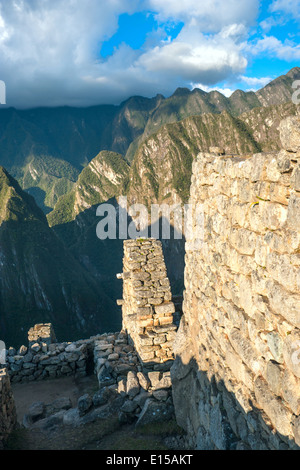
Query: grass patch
{"type": "Point", "coordinates": [168, 428]}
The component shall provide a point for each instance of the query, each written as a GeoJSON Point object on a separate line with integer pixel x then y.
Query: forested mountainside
{"type": "Point", "coordinates": [46, 148]}
{"type": "Point", "coordinates": [71, 160]}
{"type": "Point", "coordinates": [40, 280]}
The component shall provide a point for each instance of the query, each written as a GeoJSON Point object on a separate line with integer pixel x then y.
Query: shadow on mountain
{"type": "Point", "coordinates": [103, 259]}
{"type": "Point", "coordinates": [41, 281]}
{"type": "Point", "coordinates": [39, 196]}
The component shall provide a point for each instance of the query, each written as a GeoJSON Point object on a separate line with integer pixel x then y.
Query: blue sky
{"type": "Point", "coordinates": [86, 52]}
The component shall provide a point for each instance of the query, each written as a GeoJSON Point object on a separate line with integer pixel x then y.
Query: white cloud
{"type": "Point", "coordinates": [291, 7]}
{"type": "Point", "coordinates": [49, 49]}
{"type": "Point", "coordinates": [256, 83]}
{"type": "Point", "coordinates": [48, 46]}
{"type": "Point", "coordinates": [225, 91]}
{"type": "Point", "coordinates": [286, 50]}
{"type": "Point", "coordinates": [268, 23]}
{"type": "Point", "coordinates": [212, 15]}
{"type": "Point", "coordinates": [197, 58]}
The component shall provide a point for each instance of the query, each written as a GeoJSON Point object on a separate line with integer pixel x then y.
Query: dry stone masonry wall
{"type": "Point", "coordinates": [139, 393]}
{"type": "Point", "coordinates": [147, 307]}
{"type": "Point", "coordinates": [44, 358]}
{"type": "Point", "coordinates": [41, 333]}
{"type": "Point", "coordinates": [8, 416]}
{"type": "Point", "coordinates": [126, 391]}
{"type": "Point", "coordinates": [132, 366]}
{"type": "Point", "coordinates": [236, 377]}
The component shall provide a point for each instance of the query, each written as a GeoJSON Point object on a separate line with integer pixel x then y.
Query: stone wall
{"type": "Point", "coordinates": [41, 333]}
{"type": "Point", "coordinates": [147, 307]}
{"type": "Point", "coordinates": [8, 416]}
{"type": "Point", "coordinates": [236, 376]}
{"type": "Point", "coordinates": [141, 394]}
{"type": "Point", "coordinates": [44, 358]}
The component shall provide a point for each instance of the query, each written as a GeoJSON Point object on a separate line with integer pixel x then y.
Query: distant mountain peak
{"type": "Point", "coordinates": [294, 73]}
{"type": "Point", "coordinates": [181, 92]}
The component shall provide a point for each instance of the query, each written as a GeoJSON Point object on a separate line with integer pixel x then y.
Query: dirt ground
{"type": "Point", "coordinates": [100, 435]}
{"type": "Point", "coordinates": [49, 390]}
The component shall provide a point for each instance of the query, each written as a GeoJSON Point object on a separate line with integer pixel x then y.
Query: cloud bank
{"type": "Point", "coordinates": [50, 49]}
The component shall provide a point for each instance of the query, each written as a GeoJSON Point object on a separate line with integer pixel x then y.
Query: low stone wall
{"type": "Point", "coordinates": [236, 377]}
{"type": "Point", "coordinates": [8, 416]}
{"type": "Point", "coordinates": [147, 306]}
{"type": "Point", "coordinates": [140, 391]}
{"type": "Point", "coordinates": [44, 359]}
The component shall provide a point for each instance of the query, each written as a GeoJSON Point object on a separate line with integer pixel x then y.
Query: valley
{"type": "Point", "coordinates": [59, 164]}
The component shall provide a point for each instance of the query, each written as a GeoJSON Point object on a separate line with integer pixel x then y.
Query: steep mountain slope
{"type": "Point", "coordinates": [72, 134]}
{"type": "Point", "coordinates": [76, 135]}
{"type": "Point", "coordinates": [263, 124]}
{"type": "Point", "coordinates": [103, 178]}
{"type": "Point", "coordinates": [161, 169]}
{"type": "Point", "coordinates": [37, 138]}
{"type": "Point", "coordinates": [184, 103]}
{"type": "Point", "coordinates": [39, 279]}
{"type": "Point", "coordinates": [74, 219]}
{"type": "Point", "coordinates": [46, 179]}
{"type": "Point", "coordinates": [160, 173]}
{"type": "Point", "coordinates": [280, 90]}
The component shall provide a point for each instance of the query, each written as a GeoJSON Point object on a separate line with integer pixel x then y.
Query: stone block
{"type": "Point", "coordinates": [166, 308]}
{"type": "Point", "coordinates": [274, 377]}
{"type": "Point", "coordinates": [133, 386]}
{"type": "Point", "coordinates": [279, 415]}
{"type": "Point", "coordinates": [290, 134]}
{"type": "Point", "coordinates": [291, 391]}
{"type": "Point", "coordinates": [155, 412]}
{"type": "Point", "coordinates": [293, 213]}
{"type": "Point", "coordinates": [291, 352]}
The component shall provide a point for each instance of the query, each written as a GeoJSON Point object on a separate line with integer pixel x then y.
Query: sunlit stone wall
{"type": "Point", "coordinates": [236, 376]}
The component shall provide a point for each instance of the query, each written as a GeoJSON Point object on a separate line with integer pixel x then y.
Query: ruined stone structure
{"type": "Point", "coordinates": [8, 416]}
{"type": "Point", "coordinates": [147, 307]}
{"type": "Point", "coordinates": [41, 333]}
{"type": "Point", "coordinates": [44, 358]}
{"type": "Point", "coordinates": [235, 380]}
{"type": "Point", "coordinates": [236, 376]}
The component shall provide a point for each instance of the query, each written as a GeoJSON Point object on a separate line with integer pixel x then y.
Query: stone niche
{"type": "Point", "coordinates": [147, 307]}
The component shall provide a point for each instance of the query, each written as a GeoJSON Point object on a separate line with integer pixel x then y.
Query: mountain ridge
{"type": "Point", "coordinates": [40, 280]}
{"type": "Point", "coordinates": [72, 160]}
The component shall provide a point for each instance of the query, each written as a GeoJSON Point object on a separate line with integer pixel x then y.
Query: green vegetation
{"type": "Point", "coordinates": [66, 270]}
{"type": "Point", "coordinates": [105, 177]}
{"type": "Point", "coordinates": [46, 178]}
{"type": "Point", "coordinates": [51, 284]}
